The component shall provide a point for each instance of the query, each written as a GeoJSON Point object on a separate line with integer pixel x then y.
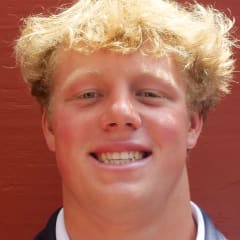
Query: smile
{"type": "Point", "coordinates": [120, 158]}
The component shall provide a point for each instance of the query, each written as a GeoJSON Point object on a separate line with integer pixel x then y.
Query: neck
{"type": "Point", "coordinates": [168, 222]}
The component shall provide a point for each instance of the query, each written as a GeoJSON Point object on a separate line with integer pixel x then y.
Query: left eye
{"type": "Point", "coordinates": [148, 93]}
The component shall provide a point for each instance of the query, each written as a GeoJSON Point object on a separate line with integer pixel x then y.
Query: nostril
{"type": "Point", "coordinates": [112, 124]}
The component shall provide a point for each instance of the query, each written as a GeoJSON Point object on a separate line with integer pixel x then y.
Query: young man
{"type": "Point", "coordinates": [125, 87]}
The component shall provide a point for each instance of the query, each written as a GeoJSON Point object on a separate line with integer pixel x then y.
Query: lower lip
{"type": "Point", "coordinates": [121, 167]}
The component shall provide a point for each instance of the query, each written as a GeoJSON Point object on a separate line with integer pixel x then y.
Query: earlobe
{"type": "Point", "coordinates": [48, 132]}
{"type": "Point", "coordinates": [195, 128]}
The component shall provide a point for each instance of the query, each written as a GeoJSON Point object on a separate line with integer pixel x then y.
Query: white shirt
{"type": "Point", "coordinates": [61, 232]}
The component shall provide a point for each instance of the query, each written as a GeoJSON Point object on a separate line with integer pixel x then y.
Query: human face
{"type": "Point", "coordinates": [120, 128]}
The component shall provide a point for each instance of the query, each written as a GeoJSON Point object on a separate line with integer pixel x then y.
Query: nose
{"type": "Point", "coordinates": [120, 114]}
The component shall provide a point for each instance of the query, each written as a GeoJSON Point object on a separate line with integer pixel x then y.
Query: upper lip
{"type": "Point", "coordinates": [120, 147]}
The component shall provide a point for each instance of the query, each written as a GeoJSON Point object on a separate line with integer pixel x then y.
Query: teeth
{"type": "Point", "coordinates": [118, 158]}
{"type": "Point", "coordinates": [115, 156]}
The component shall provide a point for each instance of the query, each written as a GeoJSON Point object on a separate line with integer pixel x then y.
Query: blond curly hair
{"type": "Point", "coordinates": [198, 37]}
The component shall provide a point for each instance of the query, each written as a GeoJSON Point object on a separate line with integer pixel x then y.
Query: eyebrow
{"type": "Point", "coordinates": [146, 72]}
{"type": "Point", "coordinates": [159, 74]}
{"type": "Point", "coordinates": [81, 72]}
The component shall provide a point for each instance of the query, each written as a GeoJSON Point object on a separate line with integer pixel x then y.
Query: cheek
{"type": "Point", "coordinates": [169, 129]}
{"type": "Point", "coordinates": [169, 138]}
{"type": "Point", "coordinates": [64, 129]}
{"type": "Point", "coordinates": [69, 126]}
{"type": "Point", "coordinates": [69, 137]}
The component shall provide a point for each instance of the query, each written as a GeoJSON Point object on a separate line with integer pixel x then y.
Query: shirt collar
{"type": "Point", "coordinates": [61, 232]}
{"type": "Point", "coordinates": [198, 218]}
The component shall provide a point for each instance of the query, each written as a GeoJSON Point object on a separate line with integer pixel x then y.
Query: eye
{"type": "Point", "coordinates": [149, 94]}
{"type": "Point", "coordinates": [150, 97]}
{"type": "Point", "coordinates": [88, 94]}
{"type": "Point", "coordinates": [86, 97]}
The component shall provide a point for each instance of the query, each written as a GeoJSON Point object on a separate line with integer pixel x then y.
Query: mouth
{"type": "Point", "coordinates": [120, 158]}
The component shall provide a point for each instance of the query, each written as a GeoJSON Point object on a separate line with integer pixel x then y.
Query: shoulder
{"type": "Point", "coordinates": [48, 233]}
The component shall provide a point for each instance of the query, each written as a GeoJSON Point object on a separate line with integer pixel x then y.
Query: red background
{"type": "Point", "coordinates": [29, 182]}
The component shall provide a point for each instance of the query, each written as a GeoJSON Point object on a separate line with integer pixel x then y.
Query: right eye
{"type": "Point", "coordinates": [88, 95]}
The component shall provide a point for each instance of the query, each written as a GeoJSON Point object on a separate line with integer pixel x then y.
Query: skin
{"type": "Point", "coordinates": [109, 102]}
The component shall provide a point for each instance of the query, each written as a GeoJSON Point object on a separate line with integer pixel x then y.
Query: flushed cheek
{"type": "Point", "coordinates": [168, 129]}
{"type": "Point", "coordinates": [64, 128]}
{"type": "Point", "coordinates": [69, 125]}
{"type": "Point", "coordinates": [70, 137]}
{"type": "Point", "coordinates": [169, 139]}
{"type": "Point", "coordinates": [71, 141]}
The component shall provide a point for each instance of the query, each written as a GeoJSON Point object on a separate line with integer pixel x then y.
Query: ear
{"type": "Point", "coordinates": [195, 128]}
{"type": "Point", "coordinates": [48, 131]}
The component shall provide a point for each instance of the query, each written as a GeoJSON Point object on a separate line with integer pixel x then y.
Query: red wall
{"type": "Point", "coordinates": [29, 183]}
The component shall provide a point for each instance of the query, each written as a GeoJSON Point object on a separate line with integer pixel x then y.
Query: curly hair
{"type": "Point", "coordinates": [199, 37]}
